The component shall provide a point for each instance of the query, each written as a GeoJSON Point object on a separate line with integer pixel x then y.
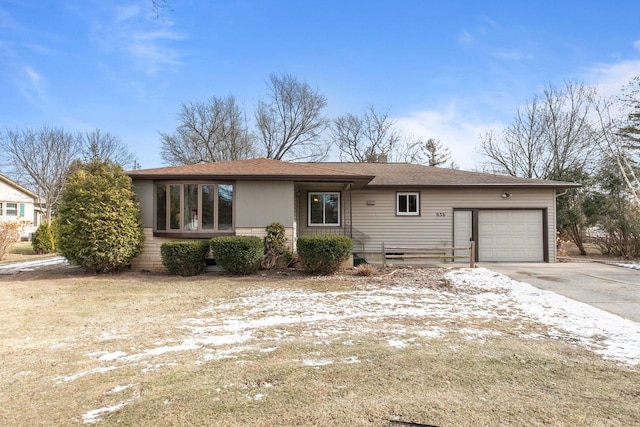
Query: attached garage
{"type": "Point", "coordinates": [504, 235]}
{"type": "Point", "coordinates": [511, 235]}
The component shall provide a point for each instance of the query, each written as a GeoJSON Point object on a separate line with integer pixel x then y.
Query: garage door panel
{"type": "Point", "coordinates": [514, 236]}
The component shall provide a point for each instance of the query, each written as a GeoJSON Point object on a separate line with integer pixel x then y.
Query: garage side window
{"type": "Point", "coordinates": [324, 209]}
{"type": "Point", "coordinates": [408, 204]}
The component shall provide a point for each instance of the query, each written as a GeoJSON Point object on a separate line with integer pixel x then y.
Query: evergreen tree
{"type": "Point", "coordinates": [99, 221]}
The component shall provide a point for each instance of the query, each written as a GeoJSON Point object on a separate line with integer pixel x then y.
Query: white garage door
{"type": "Point", "coordinates": [511, 236]}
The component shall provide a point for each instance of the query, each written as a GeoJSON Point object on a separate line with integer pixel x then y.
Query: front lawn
{"type": "Point", "coordinates": [154, 350]}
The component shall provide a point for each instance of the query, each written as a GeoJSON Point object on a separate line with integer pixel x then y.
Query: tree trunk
{"type": "Point", "coordinates": [576, 236]}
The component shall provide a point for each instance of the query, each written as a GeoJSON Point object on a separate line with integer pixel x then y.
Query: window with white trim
{"type": "Point", "coordinates": [12, 209]}
{"type": "Point", "coordinates": [193, 207]}
{"type": "Point", "coordinates": [408, 204]}
{"type": "Point", "coordinates": [324, 209]}
{"type": "Point", "coordinates": [1, 210]}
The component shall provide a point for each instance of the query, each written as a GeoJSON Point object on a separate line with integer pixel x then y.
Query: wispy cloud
{"type": "Point", "coordinates": [32, 85]}
{"type": "Point", "coordinates": [147, 41]}
{"type": "Point", "coordinates": [511, 55]}
{"type": "Point", "coordinates": [611, 77]}
{"type": "Point", "coordinates": [124, 13]}
{"type": "Point", "coordinates": [453, 128]}
{"type": "Point", "coordinates": [499, 42]}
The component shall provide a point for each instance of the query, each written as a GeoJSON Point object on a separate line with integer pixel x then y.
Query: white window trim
{"type": "Point", "coordinates": [7, 209]}
{"type": "Point", "coordinates": [408, 193]}
{"type": "Point", "coordinates": [323, 193]}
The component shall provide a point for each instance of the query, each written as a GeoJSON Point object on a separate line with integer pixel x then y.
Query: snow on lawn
{"type": "Point", "coordinates": [607, 334]}
{"type": "Point", "coordinates": [398, 310]}
{"type": "Point", "coordinates": [634, 265]}
{"type": "Point", "coordinates": [15, 267]}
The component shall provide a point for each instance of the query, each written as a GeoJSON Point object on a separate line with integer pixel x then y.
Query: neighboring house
{"type": "Point", "coordinates": [511, 219]}
{"type": "Point", "coordinates": [16, 202]}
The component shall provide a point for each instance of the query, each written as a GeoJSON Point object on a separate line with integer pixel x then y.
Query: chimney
{"type": "Point", "coordinates": [382, 158]}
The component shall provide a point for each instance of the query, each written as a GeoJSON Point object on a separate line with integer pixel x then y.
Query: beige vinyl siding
{"type": "Point", "coordinates": [259, 203]}
{"type": "Point", "coordinates": [434, 226]}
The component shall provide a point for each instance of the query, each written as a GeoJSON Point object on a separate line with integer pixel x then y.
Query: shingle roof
{"type": "Point", "coordinates": [258, 169]}
{"type": "Point", "coordinates": [412, 175]}
{"type": "Point", "coordinates": [373, 175]}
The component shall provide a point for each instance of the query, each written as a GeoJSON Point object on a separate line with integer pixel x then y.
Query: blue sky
{"type": "Point", "coordinates": [445, 69]}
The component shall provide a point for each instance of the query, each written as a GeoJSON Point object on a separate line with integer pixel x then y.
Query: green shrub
{"type": "Point", "coordinates": [43, 241]}
{"type": "Point", "coordinates": [323, 254]}
{"type": "Point", "coordinates": [274, 245]}
{"type": "Point", "coordinates": [184, 257]}
{"type": "Point", "coordinates": [99, 225]}
{"type": "Point", "coordinates": [238, 254]}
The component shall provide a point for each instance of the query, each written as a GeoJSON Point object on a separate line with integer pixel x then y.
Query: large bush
{"type": "Point", "coordinates": [43, 241]}
{"type": "Point", "coordinates": [9, 234]}
{"type": "Point", "coordinates": [323, 254]}
{"type": "Point", "coordinates": [238, 254]}
{"type": "Point", "coordinates": [99, 222]}
{"type": "Point", "coordinates": [184, 257]}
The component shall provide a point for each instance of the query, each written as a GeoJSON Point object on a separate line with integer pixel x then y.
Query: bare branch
{"type": "Point", "coordinates": [364, 139]}
{"type": "Point", "coordinates": [291, 123]}
{"type": "Point", "coordinates": [209, 132]}
{"type": "Point", "coordinates": [104, 146]}
{"type": "Point", "coordinates": [42, 158]}
{"type": "Point", "coordinates": [548, 137]}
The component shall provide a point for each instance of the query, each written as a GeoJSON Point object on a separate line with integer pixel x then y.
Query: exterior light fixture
{"type": "Point", "coordinates": [506, 195]}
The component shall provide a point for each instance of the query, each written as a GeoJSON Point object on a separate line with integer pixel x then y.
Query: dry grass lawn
{"type": "Point", "coordinates": [153, 350]}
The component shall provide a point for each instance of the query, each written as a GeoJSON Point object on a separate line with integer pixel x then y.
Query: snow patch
{"type": "Point", "coordinates": [607, 334]}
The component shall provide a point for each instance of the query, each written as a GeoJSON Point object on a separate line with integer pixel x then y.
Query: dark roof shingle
{"type": "Point", "coordinates": [259, 169]}
{"type": "Point", "coordinates": [373, 175]}
{"type": "Point", "coordinates": [414, 175]}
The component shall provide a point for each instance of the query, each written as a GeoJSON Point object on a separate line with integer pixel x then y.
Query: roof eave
{"type": "Point", "coordinates": [526, 186]}
{"type": "Point", "coordinates": [292, 177]}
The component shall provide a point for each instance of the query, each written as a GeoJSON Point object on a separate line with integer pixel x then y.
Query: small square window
{"type": "Point", "coordinates": [408, 204]}
{"type": "Point", "coordinates": [324, 209]}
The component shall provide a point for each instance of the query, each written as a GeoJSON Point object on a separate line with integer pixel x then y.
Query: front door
{"type": "Point", "coordinates": [462, 232]}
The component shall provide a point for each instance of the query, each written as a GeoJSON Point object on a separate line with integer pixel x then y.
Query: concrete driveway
{"type": "Point", "coordinates": [608, 287]}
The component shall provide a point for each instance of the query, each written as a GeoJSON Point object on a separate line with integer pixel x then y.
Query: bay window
{"type": "Point", "coordinates": [193, 207]}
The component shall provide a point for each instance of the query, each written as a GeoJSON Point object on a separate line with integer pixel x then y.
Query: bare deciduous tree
{"type": "Point", "coordinates": [41, 159]}
{"type": "Point", "coordinates": [363, 139]}
{"type": "Point", "coordinates": [630, 126]}
{"type": "Point", "coordinates": [291, 122]}
{"type": "Point", "coordinates": [613, 138]}
{"type": "Point", "coordinates": [103, 146]}
{"type": "Point", "coordinates": [548, 137]}
{"type": "Point", "coordinates": [208, 132]}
